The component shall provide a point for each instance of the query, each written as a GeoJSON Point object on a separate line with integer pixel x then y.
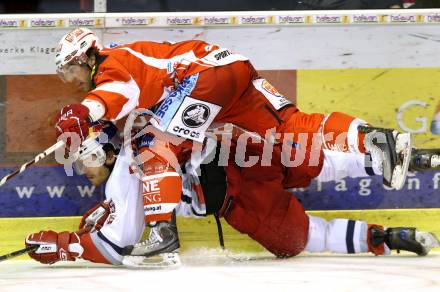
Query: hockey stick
{"type": "Point", "coordinates": [37, 158]}
{"type": "Point", "coordinates": [18, 252]}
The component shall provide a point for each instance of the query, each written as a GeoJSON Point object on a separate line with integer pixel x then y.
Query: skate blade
{"type": "Point", "coordinates": [427, 239]}
{"type": "Point", "coordinates": [161, 261]}
{"type": "Point", "coordinates": [403, 148]}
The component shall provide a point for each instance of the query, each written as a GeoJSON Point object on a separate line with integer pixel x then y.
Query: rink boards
{"type": "Point", "coordinates": [386, 74]}
{"type": "Point", "coordinates": [202, 233]}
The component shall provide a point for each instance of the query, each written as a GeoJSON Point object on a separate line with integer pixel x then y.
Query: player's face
{"type": "Point", "coordinates": [79, 75]}
{"type": "Point", "coordinates": [97, 175]}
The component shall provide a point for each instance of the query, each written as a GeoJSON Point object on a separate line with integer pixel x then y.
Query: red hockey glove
{"type": "Point", "coordinates": [73, 118]}
{"type": "Point", "coordinates": [54, 246]}
{"type": "Point", "coordinates": [94, 218]}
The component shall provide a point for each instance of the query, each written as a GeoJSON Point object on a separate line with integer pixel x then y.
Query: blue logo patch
{"type": "Point", "coordinates": [171, 104]}
{"type": "Point", "coordinates": [146, 141]}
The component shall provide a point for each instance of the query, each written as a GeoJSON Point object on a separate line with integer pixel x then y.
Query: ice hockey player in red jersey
{"type": "Point", "coordinates": [192, 88]}
{"type": "Point", "coordinates": [106, 230]}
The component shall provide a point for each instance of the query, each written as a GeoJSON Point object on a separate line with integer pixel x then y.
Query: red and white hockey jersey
{"type": "Point", "coordinates": [141, 74]}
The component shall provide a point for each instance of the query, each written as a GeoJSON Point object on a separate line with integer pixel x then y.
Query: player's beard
{"type": "Point", "coordinates": [86, 86]}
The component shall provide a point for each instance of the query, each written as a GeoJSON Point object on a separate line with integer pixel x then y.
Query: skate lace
{"type": "Point", "coordinates": [153, 237]}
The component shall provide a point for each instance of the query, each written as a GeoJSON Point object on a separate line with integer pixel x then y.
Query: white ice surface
{"type": "Point", "coordinates": [207, 270]}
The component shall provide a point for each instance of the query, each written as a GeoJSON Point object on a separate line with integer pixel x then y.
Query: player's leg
{"type": "Point", "coordinates": [339, 165]}
{"type": "Point", "coordinates": [391, 149]}
{"type": "Point", "coordinates": [124, 225]}
{"type": "Point", "coordinates": [354, 236]}
{"type": "Point", "coordinates": [167, 194]}
{"type": "Point", "coordinates": [160, 190]}
{"type": "Point", "coordinates": [257, 205]}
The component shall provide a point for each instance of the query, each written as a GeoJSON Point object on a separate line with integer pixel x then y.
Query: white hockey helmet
{"type": "Point", "coordinates": [73, 47]}
{"type": "Point", "coordinates": [93, 152]}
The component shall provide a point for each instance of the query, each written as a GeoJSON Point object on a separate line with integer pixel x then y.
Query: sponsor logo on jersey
{"type": "Point", "coordinates": [151, 186]}
{"type": "Point", "coordinates": [222, 54]}
{"type": "Point", "coordinates": [111, 206]}
{"type": "Point", "coordinates": [147, 141]}
{"type": "Point", "coordinates": [165, 106]}
{"type": "Point", "coordinates": [193, 119]}
{"type": "Point", "coordinates": [195, 115]}
{"type": "Point", "coordinates": [152, 209]}
{"type": "Point", "coordinates": [151, 191]}
{"type": "Point", "coordinates": [185, 132]}
{"type": "Point", "coordinates": [168, 108]}
{"type": "Point", "coordinates": [112, 216]}
{"type": "Point", "coordinates": [277, 100]}
{"type": "Point", "coordinates": [152, 198]}
{"type": "Point", "coordinates": [270, 88]}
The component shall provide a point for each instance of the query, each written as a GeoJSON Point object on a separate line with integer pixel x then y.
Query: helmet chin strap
{"type": "Point", "coordinates": [93, 70]}
{"type": "Point", "coordinates": [92, 73]}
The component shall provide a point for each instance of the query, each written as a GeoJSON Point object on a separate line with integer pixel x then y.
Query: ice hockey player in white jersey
{"type": "Point", "coordinates": [112, 230]}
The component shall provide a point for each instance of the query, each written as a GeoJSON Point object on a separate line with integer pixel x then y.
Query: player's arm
{"type": "Point", "coordinates": [116, 94]}
{"type": "Point", "coordinates": [68, 246]}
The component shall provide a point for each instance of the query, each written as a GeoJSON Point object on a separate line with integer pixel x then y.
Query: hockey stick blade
{"type": "Point", "coordinates": [161, 261]}
{"type": "Point", "coordinates": [18, 252]}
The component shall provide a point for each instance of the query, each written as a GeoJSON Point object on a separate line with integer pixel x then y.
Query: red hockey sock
{"type": "Point", "coordinates": [340, 133]}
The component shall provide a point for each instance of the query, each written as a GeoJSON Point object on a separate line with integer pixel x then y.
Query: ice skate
{"type": "Point", "coordinates": [394, 149]}
{"type": "Point", "coordinates": [163, 238]}
{"type": "Point", "coordinates": [425, 159]}
{"type": "Point", "coordinates": [405, 238]}
{"type": "Point", "coordinates": [163, 260]}
{"type": "Point", "coordinates": [159, 250]}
